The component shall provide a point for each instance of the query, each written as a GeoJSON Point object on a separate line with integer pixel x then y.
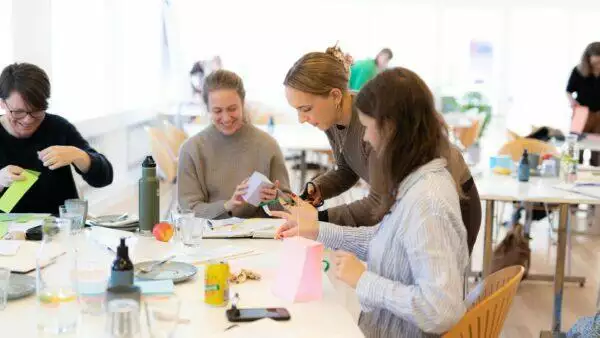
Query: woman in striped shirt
{"type": "Point", "coordinates": [417, 255]}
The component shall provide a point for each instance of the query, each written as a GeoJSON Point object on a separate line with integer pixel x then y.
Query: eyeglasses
{"type": "Point", "coordinates": [20, 114]}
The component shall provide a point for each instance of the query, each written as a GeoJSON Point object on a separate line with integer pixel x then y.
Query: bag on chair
{"type": "Point", "coordinates": [513, 250]}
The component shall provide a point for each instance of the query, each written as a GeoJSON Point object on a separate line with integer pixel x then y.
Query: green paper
{"type": "Point", "coordinates": [3, 229]}
{"type": "Point", "coordinates": [17, 189]}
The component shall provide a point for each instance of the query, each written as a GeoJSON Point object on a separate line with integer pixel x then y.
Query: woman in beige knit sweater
{"type": "Point", "coordinates": [215, 163]}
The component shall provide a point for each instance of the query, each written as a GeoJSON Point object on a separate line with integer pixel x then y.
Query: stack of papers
{"type": "Point", "coordinates": [239, 228]}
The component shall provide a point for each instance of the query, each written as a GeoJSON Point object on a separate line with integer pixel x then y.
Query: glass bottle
{"type": "Point", "coordinates": [569, 159]}
{"type": "Point", "coordinates": [56, 284]}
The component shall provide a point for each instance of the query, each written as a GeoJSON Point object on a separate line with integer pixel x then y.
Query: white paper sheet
{"type": "Point", "coordinates": [9, 248]}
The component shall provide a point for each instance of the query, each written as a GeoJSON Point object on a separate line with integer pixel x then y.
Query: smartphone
{"type": "Point", "coordinates": [248, 315]}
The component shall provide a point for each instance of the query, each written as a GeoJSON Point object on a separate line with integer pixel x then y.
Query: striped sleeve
{"type": "Point", "coordinates": [355, 240]}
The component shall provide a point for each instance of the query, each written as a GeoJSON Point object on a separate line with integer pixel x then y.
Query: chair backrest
{"type": "Point", "coordinates": [515, 148]}
{"type": "Point", "coordinates": [488, 305]}
{"type": "Point", "coordinates": [175, 138]}
{"type": "Point", "coordinates": [468, 136]}
{"type": "Point", "coordinates": [161, 153]}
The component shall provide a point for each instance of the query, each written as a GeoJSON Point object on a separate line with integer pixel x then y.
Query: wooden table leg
{"type": "Point", "coordinates": [487, 244]}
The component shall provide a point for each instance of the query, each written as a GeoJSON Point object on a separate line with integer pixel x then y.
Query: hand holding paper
{"type": "Point", "coordinates": [237, 198]}
{"type": "Point", "coordinates": [17, 190]}
{"type": "Point", "coordinates": [259, 187]}
{"type": "Point", "coordinates": [9, 174]}
{"type": "Point", "coordinates": [301, 219]}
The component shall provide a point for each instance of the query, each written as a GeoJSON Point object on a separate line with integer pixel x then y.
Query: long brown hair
{"type": "Point", "coordinates": [585, 67]}
{"type": "Point", "coordinates": [411, 134]}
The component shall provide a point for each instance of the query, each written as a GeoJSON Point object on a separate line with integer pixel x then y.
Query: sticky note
{"type": "Point", "coordinates": [157, 287]}
{"type": "Point", "coordinates": [299, 274]}
{"type": "Point", "coordinates": [17, 189]}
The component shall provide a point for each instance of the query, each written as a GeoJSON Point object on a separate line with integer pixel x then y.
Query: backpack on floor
{"type": "Point", "coordinates": [513, 250]}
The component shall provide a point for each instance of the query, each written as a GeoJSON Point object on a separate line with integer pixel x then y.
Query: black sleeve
{"type": "Point", "coordinates": [574, 81]}
{"type": "Point", "coordinates": [101, 171]}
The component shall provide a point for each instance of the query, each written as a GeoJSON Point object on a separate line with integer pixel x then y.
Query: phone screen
{"type": "Point", "coordinates": [253, 314]}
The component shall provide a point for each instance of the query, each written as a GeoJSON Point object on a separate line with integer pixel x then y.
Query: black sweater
{"type": "Point", "coordinates": [53, 186]}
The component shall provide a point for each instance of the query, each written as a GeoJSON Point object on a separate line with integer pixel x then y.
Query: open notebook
{"type": "Point", "coordinates": [243, 228]}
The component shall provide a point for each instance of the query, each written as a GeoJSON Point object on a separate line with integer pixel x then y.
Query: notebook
{"type": "Point", "coordinates": [248, 228]}
{"type": "Point", "coordinates": [25, 259]}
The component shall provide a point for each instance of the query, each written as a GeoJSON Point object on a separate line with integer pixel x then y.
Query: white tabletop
{"type": "Point", "coordinates": [324, 318]}
{"type": "Point", "coordinates": [289, 136]}
{"type": "Point", "coordinates": [538, 189]}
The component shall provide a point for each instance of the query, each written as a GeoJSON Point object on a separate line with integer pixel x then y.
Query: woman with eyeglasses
{"type": "Point", "coordinates": [31, 139]}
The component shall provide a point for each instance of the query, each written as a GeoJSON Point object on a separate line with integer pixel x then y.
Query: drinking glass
{"type": "Point", "coordinates": [4, 281]}
{"type": "Point", "coordinates": [76, 214]}
{"type": "Point", "coordinates": [78, 203]}
{"type": "Point", "coordinates": [92, 281]}
{"type": "Point", "coordinates": [191, 229]}
{"type": "Point", "coordinates": [162, 316]}
{"type": "Point", "coordinates": [123, 318]}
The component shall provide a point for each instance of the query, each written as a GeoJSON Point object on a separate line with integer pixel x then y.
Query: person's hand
{"type": "Point", "coordinates": [237, 199]}
{"type": "Point", "coordinates": [313, 194]}
{"type": "Point", "coordinates": [347, 267]}
{"type": "Point", "coordinates": [269, 194]}
{"type": "Point", "coordinates": [56, 157]}
{"type": "Point", "coordinates": [300, 219]}
{"type": "Point", "coordinates": [9, 174]}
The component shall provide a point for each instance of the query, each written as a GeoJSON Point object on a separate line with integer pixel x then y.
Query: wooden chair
{"type": "Point", "coordinates": [515, 148]}
{"type": "Point", "coordinates": [488, 305]}
{"type": "Point", "coordinates": [166, 161]}
{"type": "Point", "coordinates": [468, 136]}
{"type": "Point", "coordinates": [175, 138]}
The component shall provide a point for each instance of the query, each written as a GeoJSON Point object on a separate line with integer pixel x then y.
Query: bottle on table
{"type": "Point", "coordinates": [56, 284]}
{"type": "Point", "coordinates": [524, 170]}
{"type": "Point", "coordinates": [569, 159]}
{"type": "Point", "coordinates": [271, 125]}
{"type": "Point", "coordinates": [122, 268]}
{"type": "Point", "coordinates": [149, 197]}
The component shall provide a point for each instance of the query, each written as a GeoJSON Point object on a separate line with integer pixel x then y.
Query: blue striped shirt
{"type": "Point", "coordinates": [415, 258]}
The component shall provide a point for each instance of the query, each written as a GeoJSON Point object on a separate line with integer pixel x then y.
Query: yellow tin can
{"type": "Point", "coordinates": [216, 283]}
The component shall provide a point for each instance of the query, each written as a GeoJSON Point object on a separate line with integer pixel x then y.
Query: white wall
{"type": "Point", "coordinates": [536, 44]}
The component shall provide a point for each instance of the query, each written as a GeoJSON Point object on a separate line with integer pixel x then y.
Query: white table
{"type": "Point", "coordinates": [324, 318]}
{"type": "Point", "coordinates": [538, 190]}
{"type": "Point", "coordinates": [302, 137]}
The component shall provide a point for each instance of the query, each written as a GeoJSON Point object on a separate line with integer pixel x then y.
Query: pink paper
{"type": "Point", "coordinates": [299, 278]}
{"type": "Point", "coordinates": [580, 116]}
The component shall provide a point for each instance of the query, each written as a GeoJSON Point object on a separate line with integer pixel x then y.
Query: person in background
{"type": "Point", "coordinates": [32, 139]}
{"type": "Point", "coordinates": [416, 257]}
{"type": "Point", "coordinates": [215, 163]}
{"type": "Point", "coordinates": [364, 70]}
{"type": "Point", "coordinates": [197, 75]}
{"type": "Point", "coordinates": [316, 87]}
{"type": "Point", "coordinates": [584, 82]}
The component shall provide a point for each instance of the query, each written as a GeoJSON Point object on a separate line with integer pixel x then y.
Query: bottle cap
{"type": "Point", "coordinates": [122, 250]}
{"type": "Point", "coordinates": [149, 162]}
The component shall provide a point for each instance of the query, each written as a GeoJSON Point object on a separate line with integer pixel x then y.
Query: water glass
{"type": "Point", "coordinates": [4, 281]}
{"type": "Point", "coordinates": [191, 229]}
{"type": "Point", "coordinates": [78, 203]}
{"type": "Point", "coordinates": [123, 318]}
{"type": "Point", "coordinates": [76, 214]}
{"type": "Point", "coordinates": [92, 281]}
{"type": "Point", "coordinates": [162, 316]}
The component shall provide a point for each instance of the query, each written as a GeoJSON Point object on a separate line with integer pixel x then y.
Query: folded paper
{"type": "Point", "coordinates": [256, 183]}
{"type": "Point", "coordinates": [298, 277]}
{"type": "Point", "coordinates": [17, 190]}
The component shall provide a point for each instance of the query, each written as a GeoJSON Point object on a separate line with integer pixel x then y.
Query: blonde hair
{"type": "Point", "coordinates": [318, 73]}
{"type": "Point", "coordinates": [223, 79]}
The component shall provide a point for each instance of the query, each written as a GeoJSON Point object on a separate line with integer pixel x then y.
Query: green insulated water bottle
{"type": "Point", "coordinates": [149, 197]}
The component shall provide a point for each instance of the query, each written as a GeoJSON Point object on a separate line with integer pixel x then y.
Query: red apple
{"type": "Point", "coordinates": [163, 231]}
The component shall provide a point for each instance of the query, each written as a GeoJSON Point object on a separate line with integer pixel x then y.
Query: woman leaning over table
{"type": "Point", "coordinates": [416, 257]}
{"type": "Point", "coordinates": [215, 163]}
{"type": "Point", "coordinates": [316, 87]}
